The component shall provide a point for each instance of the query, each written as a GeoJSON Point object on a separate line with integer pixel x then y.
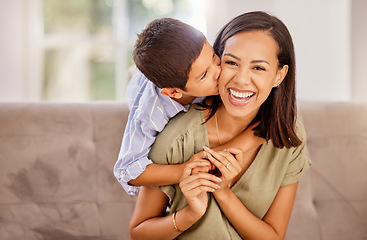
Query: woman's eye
{"type": "Point", "coordinates": [259, 68]}
{"type": "Point", "coordinates": [231, 63]}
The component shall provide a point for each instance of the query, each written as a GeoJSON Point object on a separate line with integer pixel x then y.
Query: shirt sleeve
{"type": "Point", "coordinates": [133, 87]}
{"type": "Point", "coordinates": [133, 157]}
{"type": "Point", "coordinates": [299, 163]}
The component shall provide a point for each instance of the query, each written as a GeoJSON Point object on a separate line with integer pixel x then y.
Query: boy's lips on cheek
{"type": "Point", "coordinates": [240, 98]}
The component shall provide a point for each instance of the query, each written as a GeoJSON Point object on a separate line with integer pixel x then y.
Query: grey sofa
{"type": "Point", "coordinates": [56, 177]}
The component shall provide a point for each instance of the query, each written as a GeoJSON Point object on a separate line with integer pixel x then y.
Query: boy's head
{"type": "Point", "coordinates": [170, 53]}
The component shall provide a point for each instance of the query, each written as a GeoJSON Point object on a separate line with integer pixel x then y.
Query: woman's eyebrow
{"type": "Point", "coordinates": [231, 55]}
{"type": "Point", "coordinates": [260, 61]}
{"type": "Point", "coordinates": [253, 61]}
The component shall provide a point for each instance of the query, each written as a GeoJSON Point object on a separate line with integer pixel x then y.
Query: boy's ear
{"type": "Point", "coordinates": [172, 92]}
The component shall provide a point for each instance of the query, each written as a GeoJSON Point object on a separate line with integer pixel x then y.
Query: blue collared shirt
{"type": "Point", "coordinates": [150, 111]}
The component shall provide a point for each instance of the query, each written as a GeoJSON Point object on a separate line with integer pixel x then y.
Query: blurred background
{"type": "Point", "coordinates": [80, 50]}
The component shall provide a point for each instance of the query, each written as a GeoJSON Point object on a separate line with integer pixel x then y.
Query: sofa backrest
{"type": "Point", "coordinates": [57, 182]}
{"type": "Point", "coordinates": [331, 200]}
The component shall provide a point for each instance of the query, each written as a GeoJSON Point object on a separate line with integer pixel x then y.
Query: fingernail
{"type": "Point", "coordinates": [206, 148]}
{"type": "Point", "coordinates": [218, 179]}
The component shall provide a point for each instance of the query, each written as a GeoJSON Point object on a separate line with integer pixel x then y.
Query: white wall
{"type": "Point", "coordinates": [20, 70]}
{"type": "Point", "coordinates": [321, 32]}
{"type": "Point", "coordinates": [220, 12]}
{"type": "Point", "coordinates": [11, 51]}
{"type": "Point", "coordinates": [359, 51]}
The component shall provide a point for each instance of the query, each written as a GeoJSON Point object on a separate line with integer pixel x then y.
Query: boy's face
{"type": "Point", "coordinates": [204, 74]}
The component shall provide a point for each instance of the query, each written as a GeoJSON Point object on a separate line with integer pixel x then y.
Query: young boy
{"type": "Point", "coordinates": [182, 69]}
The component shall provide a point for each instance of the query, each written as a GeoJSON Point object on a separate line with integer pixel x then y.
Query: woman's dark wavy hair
{"type": "Point", "coordinates": [277, 115]}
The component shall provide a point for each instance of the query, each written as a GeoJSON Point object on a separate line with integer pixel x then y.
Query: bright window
{"type": "Point", "coordinates": [87, 44]}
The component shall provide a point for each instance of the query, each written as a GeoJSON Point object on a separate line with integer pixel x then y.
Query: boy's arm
{"type": "Point", "coordinates": [246, 141]}
{"type": "Point", "coordinates": [159, 175]}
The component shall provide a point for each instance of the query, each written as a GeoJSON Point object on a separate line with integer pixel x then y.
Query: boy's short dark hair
{"type": "Point", "coordinates": [165, 51]}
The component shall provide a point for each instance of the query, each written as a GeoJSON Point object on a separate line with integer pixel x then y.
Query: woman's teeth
{"type": "Point", "coordinates": [240, 96]}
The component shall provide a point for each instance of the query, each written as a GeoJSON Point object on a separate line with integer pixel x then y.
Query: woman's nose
{"type": "Point", "coordinates": [242, 78]}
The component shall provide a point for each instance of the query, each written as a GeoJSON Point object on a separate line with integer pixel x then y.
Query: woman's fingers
{"type": "Point", "coordinates": [217, 163]}
{"type": "Point", "coordinates": [193, 190]}
{"type": "Point", "coordinates": [203, 155]}
{"type": "Point", "coordinates": [201, 178]}
{"type": "Point", "coordinates": [199, 169]}
{"type": "Point", "coordinates": [232, 156]}
{"type": "Point", "coordinates": [196, 162]}
{"type": "Point", "coordinates": [198, 156]}
{"type": "Point", "coordinates": [195, 184]}
{"type": "Point", "coordinates": [224, 159]}
{"type": "Point", "coordinates": [198, 190]}
{"type": "Point", "coordinates": [221, 159]}
{"type": "Point", "coordinates": [227, 163]}
{"type": "Point", "coordinates": [234, 151]}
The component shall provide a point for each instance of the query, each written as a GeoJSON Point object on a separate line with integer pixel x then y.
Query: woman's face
{"type": "Point", "coordinates": [249, 72]}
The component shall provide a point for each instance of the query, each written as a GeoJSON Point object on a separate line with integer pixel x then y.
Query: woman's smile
{"type": "Point", "coordinates": [239, 97]}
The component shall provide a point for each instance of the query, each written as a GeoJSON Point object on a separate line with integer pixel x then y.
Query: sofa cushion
{"type": "Point", "coordinates": [56, 171]}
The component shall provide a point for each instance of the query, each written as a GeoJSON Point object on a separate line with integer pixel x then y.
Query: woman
{"type": "Point", "coordinates": [246, 196]}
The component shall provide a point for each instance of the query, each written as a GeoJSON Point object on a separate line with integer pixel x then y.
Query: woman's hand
{"type": "Point", "coordinates": [227, 163]}
{"type": "Point", "coordinates": [196, 181]}
{"type": "Point", "coordinates": [198, 163]}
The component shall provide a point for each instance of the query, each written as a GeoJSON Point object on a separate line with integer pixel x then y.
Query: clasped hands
{"type": "Point", "coordinates": [209, 171]}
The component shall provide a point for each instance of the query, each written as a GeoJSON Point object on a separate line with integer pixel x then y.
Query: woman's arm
{"type": "Point", "coordinates": [272, 226]}
{"type": "Point", "coordinates": [149, 220]}
{"type": "Point", "coordinates": [151, 204]}
{"type": "Point", "coordinates": [275, 222]}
